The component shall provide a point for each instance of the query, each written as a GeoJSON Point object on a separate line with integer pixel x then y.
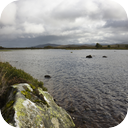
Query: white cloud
{"type": "Point", "coordinates": [37, 10]}
{"type": "Point", "coordinates": [8, 15]}
{"type": "Point", "coordinates": [9, 30]}
{"type": "Point", "coordinates": [114, 9]}
{"type": "Point", "coordinates": [33, 28]}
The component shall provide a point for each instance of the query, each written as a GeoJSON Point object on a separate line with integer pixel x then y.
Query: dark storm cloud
{"type": "Point", "coordinates": [27, 42]}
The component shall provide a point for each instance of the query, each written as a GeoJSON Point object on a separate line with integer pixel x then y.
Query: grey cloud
{"type": "Point", "coordinates": [63, 22]}
{"type": "Point", "coordinates": [28, 42]}
{"type": "Point", "coordinates": [117, 39]}
{"type": "Point", "coordinates": [117, 24]}
{"type": "Point", "coordinates": [97, 10]}
{"type": "Point", "coordinates": [68, 13]}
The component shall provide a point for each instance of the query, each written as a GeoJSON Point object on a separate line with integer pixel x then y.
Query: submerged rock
{"type": "Point", "coordinates": [71, 109]}
{"type": "Point", "coordinates": [89, 56]}
{"type": "Point", "coordinates": [27, 107]}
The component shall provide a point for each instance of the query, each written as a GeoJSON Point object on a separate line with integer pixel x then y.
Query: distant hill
{"type": "Point", "coordinates": [80, 46]}
{"type": "Point", "coordinates": [63, 46]}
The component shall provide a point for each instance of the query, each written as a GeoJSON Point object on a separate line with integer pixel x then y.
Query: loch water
{"type": "Point", "coordinates": [94, 91]}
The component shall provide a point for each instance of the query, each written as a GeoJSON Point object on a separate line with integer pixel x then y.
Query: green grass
{"type": "Point", "coordinates": [10, 75]}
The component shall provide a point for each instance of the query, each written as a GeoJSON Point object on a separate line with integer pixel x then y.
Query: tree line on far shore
{"type": "Point", "coordinates": [97, 46]}
{"type": "Point", "coordinates": [118, 46]}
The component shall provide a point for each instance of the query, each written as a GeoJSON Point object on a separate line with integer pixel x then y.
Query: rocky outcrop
{"type": "Point", "coordinates": [28, 107]}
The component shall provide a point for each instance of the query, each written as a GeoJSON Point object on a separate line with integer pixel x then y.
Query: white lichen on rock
{"type": "Point", "coordinates": [55, 122]}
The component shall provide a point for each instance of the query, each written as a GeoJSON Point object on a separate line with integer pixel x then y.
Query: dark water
{"type": "Point", "coordinates": [93, 91]}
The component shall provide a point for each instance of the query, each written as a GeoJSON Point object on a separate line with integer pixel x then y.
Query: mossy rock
{"type": "Point", "coordinates": [28, 106]}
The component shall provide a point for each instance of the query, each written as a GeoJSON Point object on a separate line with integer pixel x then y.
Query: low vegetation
{"type": "Point", "coordinates": [10, 75]}
{"type": "Point", "coordinates": [98, 45]}
{"type": "Point", "coordinates": [74, 47]}
{"type": "Point", "coordinates": [116, 46]}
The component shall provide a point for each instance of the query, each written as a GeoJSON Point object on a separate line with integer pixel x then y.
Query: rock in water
{"type": "Point", "coordinates": [104, 56]}
{"type": "Point", "coordinates": [89, 56]}
{"type": "Point", "coordinates": [27, 107]}
{"type": "Point", "coordinates": [47, 76]}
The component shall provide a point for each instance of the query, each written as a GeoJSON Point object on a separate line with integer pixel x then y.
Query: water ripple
{"type": "Point", "coordinates": [93, 91]}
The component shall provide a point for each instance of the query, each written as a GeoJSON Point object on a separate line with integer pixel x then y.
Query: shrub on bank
{"type": "Point", "coordinates": [10, 75]}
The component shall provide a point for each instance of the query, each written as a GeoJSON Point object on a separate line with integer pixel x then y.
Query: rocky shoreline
{"type": "Point", "coordinates": [25, 102]}
{"type": "Point", "coordinates": [29, 107]}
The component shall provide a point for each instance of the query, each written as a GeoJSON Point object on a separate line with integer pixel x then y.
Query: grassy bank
{"type": "Point", "coordinates": [10, 75]}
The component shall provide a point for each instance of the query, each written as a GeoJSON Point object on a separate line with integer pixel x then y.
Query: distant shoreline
{"type": "Point", "coordinates": [8, 49]}
{"type": "Point", "coordinates": [71, 47]}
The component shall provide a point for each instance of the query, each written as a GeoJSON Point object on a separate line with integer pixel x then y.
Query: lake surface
{"type": "Point", "coordinates": [93, 91]}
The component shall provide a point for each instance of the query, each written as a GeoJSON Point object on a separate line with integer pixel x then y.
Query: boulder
{"type": "Point", "coordinates": [89, 56]}
{"type": "Point", "coordinates": [104, 56]}
{"type": "Point", "coordinates": [47, 76]}
{"type": "Point", "coordinates": [29, 107]}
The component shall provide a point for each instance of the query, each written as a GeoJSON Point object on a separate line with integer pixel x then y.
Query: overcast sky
{"type": "Point", "coordinates": [33, 22]}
